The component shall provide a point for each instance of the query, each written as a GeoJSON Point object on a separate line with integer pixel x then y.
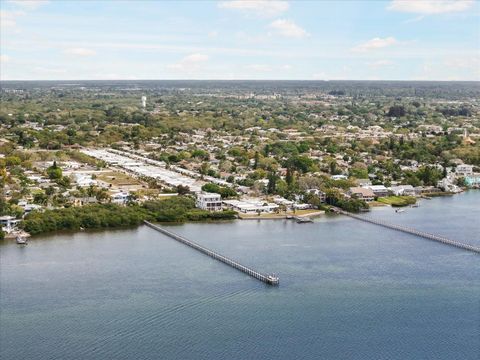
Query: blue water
{"type": "Point", "coordinates": [349, 290]}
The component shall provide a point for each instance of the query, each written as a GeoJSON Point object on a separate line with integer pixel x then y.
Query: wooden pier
{"type": "Point", "coordinates": [411, 231]}
{"type": "Point", "coordinates": [266, 278]}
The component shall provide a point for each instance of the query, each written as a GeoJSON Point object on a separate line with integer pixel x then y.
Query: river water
{"type": "Point", "coordinates": [348, 290]}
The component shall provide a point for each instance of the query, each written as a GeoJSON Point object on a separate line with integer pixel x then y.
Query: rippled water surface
{"type": "Point", "coordinates": [349, 290]}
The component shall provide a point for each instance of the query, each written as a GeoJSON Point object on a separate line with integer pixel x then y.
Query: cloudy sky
{"type": "Point", "coordinates": [255, 39]}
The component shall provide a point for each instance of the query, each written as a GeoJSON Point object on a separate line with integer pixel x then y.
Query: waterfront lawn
{"type": "Point", "coordinates": [397, 200]}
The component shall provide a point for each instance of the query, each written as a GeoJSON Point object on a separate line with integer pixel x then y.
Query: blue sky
{"type": "Point", "coordinates": [325, 40]}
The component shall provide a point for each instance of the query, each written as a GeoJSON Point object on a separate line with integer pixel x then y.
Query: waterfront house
{"type": "Point", "coordinates": [403, 190]}
{"type": "Point", "coordinates": [464, 170]}
{"type": "Point", "coordinates": [251, 206]}
{"type": "Point", "coordinates": [8, 223]}
{"type": "Point", "coordinates": [378, 190]}
{"type": "Point", "coordinates": [209, 201]}
{"type": "Point", "coordinates": [473, 180]}
{"type": "Point", "coordinates": [120, 198]}
{"type": "Point", "coordinates": [361, 193]}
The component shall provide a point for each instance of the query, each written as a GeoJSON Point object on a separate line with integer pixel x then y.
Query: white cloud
{"type": "Point", "coordinates": [29, 4]}
{"type": "Point", "coordinates": [4, 59]}
{"type": "Point", "coordinates": [79, 52]}
{"type": "Point", "coordinates": [375, 43]}
{"type": "Point", "coordinates": [430, 6]}
{"type": "Point", "coordinates": [191, 62]}
{"type": "Point", "coordinates": [260, 8]}
{"type": "Point", "coordinates": [288, 28]}
{"type": "Point", "coordinates": [213, 34]}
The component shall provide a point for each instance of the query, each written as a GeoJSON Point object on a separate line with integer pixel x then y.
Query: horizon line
{"type": "Point", "coordinates": [310, 80]}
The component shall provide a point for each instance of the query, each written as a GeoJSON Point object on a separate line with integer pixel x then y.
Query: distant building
{"type": "Point", "coordinates": [361, 193]}
{"type": "Point", "coordinates": [251, 206]}
{"type": "Point", "coordinates": [378, 190]}
{"type": "Point", "coordinates": [339, 177]}
{"type": "Point", "coordinates": [464, 170]}
{"type": "Point", "coordinates": [209, 201]}
{"type": "Point", "coordinates": [364, 182]}
{"type": "Point", "coordinates": [120, 198]}
{"type": "Point", "coordinates": [473, 180]}
{"type": "Point", "coordinates": [84, 180]}
{"type": "Point", "coordinates": [8, 223]}
{"type": "Point", "coordinates": [144, 101]}
{"type": "Point", "coordinates": [83, 201]}
{"type": "Point", "coordinates": [403, 190]}
{"type": "Point", "coordinates": [319, 193]}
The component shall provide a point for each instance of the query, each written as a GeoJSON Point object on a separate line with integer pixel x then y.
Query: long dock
{"type": "Point", "coordinates": [266, 278]}
{"type": "Point", "coordinates": [411, 231]}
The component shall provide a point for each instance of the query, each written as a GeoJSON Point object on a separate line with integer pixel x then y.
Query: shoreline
{"type": "Point", "coordinates": [10, 237]}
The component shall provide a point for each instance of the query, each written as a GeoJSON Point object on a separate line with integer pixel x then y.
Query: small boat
{"type": "Point", "coordinates": [399, 210]}
{"type": "Point", "coordinates": [303, 220]}
{"type": "Point", "coordinates": [21, 240]}
{"type": "Point", "coordinates": [415, 206]}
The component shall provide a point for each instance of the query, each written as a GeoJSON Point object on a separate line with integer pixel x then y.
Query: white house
{"type": "Point", "coordinates": [464, 170]}
{"type": "Point", "coordinates": [251, 206]}
{"type": "Point", "coordinates": [403, 190]}
{"type": "Point", "coordinates": [84, 180]}
{"type": "Point", "coordinates": [120, 198]}
{"type": "Point", "coordinates": [378, 190]}
{"type": "Point", "coordinates": [209, 201]}
{"type": "Point", "coordinates": [8, 223]}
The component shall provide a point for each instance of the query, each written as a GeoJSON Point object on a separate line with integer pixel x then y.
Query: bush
{"type": "Point", "coordinates": [225, 192]}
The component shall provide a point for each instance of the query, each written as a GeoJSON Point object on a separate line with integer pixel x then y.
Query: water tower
{"type": "Point", "coordinates": [144, 101]}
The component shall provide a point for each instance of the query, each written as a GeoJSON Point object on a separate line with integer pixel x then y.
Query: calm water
{"type": "Point", "coordinates": [349, 290]}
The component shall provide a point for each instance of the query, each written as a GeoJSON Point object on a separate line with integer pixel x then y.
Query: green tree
{"type": "Point", "coordinates": [272, 182]}
{"type": "Point", "coordinates": [54, 172]}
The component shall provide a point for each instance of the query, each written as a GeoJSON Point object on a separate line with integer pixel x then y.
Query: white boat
{"type": "Point", "coordinates": [399, 210]}
{"type": "Point", "coordinates": [21, 240]}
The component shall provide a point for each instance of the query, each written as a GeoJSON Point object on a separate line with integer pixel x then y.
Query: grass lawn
{"type": "Point", "coordinates": [117, 179]}
{"type": "Point", "coordinates": [281, 215]}
{"type": "Point", "coordinates": [398, 200]}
